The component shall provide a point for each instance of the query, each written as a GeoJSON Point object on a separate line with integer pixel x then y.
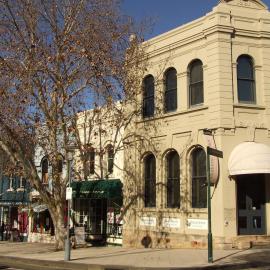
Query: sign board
{"type": "Point", "coordinates": [214, 152]}
{"type": "Point", "coordinates": [214, 167]}
{"type": "Point", "coordinates": [148, 221]}
{"type": "Point", "coordinates": [68, 193]}
{"type": "Point", "coordinates": [197, 224]}
{"type": "Point", "coordinates": [171, 223]}
{"type": "Point", "coordinates": [79, 235]}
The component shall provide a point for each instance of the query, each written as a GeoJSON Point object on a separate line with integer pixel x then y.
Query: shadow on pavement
{"type": "Point", "coordinates": [259, 257]}
{"type": "Point", "coordinates": [118, 253]}
{"type": "Point", "coordinates": [230, 255]}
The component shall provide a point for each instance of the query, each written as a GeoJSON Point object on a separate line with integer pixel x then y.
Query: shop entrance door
{"type": "Point", "coordinates": [91, 214]}
{"type": "Point", "coordinates": [251, 204]}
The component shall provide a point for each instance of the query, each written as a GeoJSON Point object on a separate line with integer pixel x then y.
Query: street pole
{"type": "Point", "coordinates": [67, 240]}
{"type": "Point", "coordinates": [210, 241]}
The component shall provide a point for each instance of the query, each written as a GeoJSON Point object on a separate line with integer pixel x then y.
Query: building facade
{"type": "Point", "coordinates": [14, 207]}
{"type": "Point", "coordinates": [97, 183]}
{"type": "Point", "coordinates": [212, 73]}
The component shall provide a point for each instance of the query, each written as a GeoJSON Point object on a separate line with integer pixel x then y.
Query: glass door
{"type": "Point", "coordinates": [251, 204]}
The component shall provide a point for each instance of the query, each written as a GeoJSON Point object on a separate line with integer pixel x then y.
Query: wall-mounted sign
{"type": "Point", "coordinates": [148, 221]}
{"type": "Point", "coordinates": [197, 224]}
{"type": "Point", "coordinates": [171, 222]}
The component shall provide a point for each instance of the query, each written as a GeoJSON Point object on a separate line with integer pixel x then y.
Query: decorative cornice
{"type": "Point", "coordinates": [255, 4]}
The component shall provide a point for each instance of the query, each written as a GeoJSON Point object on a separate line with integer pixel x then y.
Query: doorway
{"type": "Point", "coordinates": [91, 214]}
{"type": "Point", "coordinates": [251, 204]}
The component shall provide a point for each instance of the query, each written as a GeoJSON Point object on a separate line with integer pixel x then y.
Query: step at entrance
{"type": "Point", "coordinates": [251, 241]}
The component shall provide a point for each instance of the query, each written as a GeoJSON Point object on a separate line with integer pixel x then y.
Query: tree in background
{"type": "Point", "coordinates": [58, 58]}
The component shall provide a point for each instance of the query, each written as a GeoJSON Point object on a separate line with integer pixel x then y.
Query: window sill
{"type": "Point", "coordinates": [174, 113]}
{"type": "Point", "coordinates": [172, 210]}
{"type": "Point", "coordinates": [196, 108]}
{"type": "Point", "coordinates": [197, 211]}
{"type": "Point", "coordinates": [148, 209]}
{"type": "Point", "coordinates": [249, 106]}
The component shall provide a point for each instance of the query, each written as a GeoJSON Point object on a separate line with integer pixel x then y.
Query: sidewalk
{"type": "Point", "coordinates": [36, 254]}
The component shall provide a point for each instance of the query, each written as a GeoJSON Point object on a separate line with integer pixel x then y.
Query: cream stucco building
{"type": "Point", "coordinates": [212, 73]}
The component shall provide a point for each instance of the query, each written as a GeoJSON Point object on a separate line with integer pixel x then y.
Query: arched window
{"type": "Point", "coordinates": [199, 190]}
{"type": "Point", "coordinates": [44, 170]}
{"type": "Point", "coordinates": [245, 79]}
{"type": "Point", "coordinates": [173, 180]}
{"type": "Point", "coordinates": [150, 181]}
{"type": "Point", "coordinates": [110, 155]}
{"type": "Point", "coordinates": [148, 96]}
{"type": "Point", "coordinates": [196, 83]}
{"type": "Point", "coordinates": [170, 90]}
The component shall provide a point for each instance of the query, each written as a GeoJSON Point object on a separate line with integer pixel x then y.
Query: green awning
{"type": "Point", "coordinates": [97, 189]}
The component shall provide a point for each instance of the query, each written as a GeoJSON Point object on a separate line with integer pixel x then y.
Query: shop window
{"type": "Point", "coordinates": [170, 94]}
{"type": "Point", "coordinates": [110, 162]}
{"type": "Point", "coordinates": [245, 80]}
{"type": "Point", "coordinates": [42, 223]}
{"type": "Point", "coordinates": [44, 170]}
{"type": "Point", "coordinates": [196, 95]}
{"type": "Point", "coordinates": [173, 180]}
{"type": "Point", "coordinates": [148, 96]}
{"type": "Point", "coordinates": [150, 181]}
{"type": "Point", "coordinates": [199, 190]}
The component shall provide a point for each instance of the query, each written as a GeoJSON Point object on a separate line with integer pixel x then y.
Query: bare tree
{"type": "Point", "coordinates": [58, 58]}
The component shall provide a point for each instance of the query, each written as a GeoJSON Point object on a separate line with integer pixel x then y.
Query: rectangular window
{"type": "Point", "coordinates": [92, 162]}
{"type": "Point", "coordinates": [110, 159]}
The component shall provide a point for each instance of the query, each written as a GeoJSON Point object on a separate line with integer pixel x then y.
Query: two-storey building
{"type": "Point", "coordinates": [212, 73]}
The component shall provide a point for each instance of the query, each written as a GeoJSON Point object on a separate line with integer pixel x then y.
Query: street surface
{"type": "Point", "coordinates": [8, 268]}
{"type": "Point", "coordinates": [37, 256]}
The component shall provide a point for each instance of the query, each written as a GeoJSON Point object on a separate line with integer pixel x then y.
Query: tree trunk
{"type": "Point", "coordinates": [58, 217]}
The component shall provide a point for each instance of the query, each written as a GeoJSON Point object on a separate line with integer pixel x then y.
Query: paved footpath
{"type": "Point", "coordinates": [34, 254]}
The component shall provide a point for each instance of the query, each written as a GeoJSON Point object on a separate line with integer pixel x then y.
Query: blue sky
{"type": "Point", "coordinates": [169, 14]}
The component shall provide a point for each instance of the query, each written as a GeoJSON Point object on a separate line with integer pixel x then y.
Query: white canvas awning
{"type": "Point", "coordinates": [249, 158]}
{"type": "Point", "coordinates": [40, 208]}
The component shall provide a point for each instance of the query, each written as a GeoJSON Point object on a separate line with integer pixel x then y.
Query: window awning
{"type": "Point", "coordinates": [97, 189]}
{"type": "Point", "coordinates": [249, 158]}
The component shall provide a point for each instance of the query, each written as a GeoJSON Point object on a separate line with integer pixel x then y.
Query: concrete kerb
{"type": "Point", "coordinates": [33, 264]}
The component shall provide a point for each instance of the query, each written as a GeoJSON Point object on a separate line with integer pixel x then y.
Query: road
{"type": "Point", "coordinates": [8, 268]}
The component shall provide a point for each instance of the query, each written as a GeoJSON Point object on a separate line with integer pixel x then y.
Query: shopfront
{"type": "Point", "coordinates": [41, 228]}
{"type": "Point", "coordinates": [96, 207]}
{"type": "Point", "coordinates": [249, 166]}
{"type": "Point", "coordinates": [14, 199]}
